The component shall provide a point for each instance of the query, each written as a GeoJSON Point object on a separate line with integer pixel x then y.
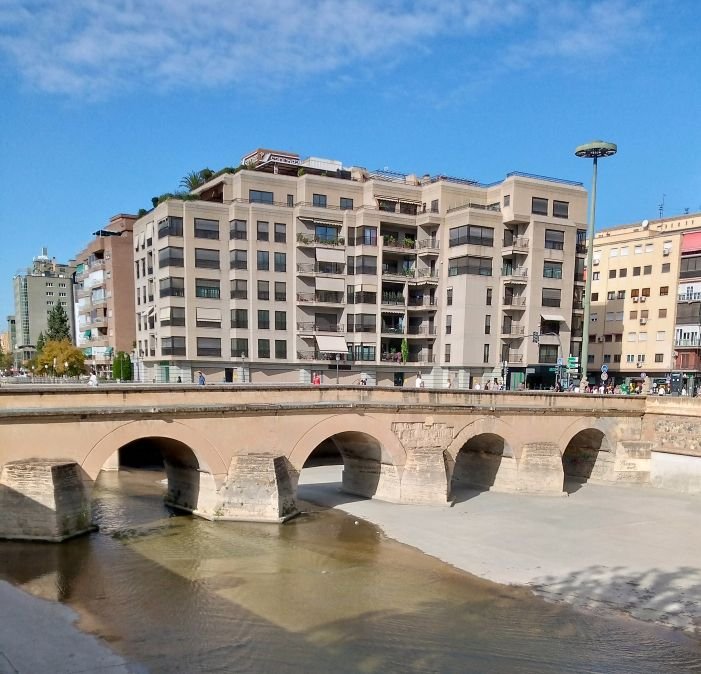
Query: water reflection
{"type": "Point", "coordinates": [319, 594]}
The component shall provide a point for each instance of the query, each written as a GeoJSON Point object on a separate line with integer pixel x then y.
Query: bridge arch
{"type": "Point", "coordinates": [587, 451]}
{"type": "Point", "coordinates": [487, 426]}
{"type": "Point", "coordinates": [373, 457]}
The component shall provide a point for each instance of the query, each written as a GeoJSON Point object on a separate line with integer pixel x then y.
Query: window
{"type": "Point", "coordinates": [641, 357]}
{"type": "Point", "coordinates": [547, 353]}
{"type": "Point", "coordinates": [659, 358]}
{"type": "Point", "coordinates": [635, 292]}
{"type": "Point", "coordinates": [239, 319]}
{"type": "Point", "coordinates": [485, 353]}
{"type": "Point", "coordinates": [362, 264]}
{"type": "Point", "coordinates": [206, 258]}
{"type": "Point", "coordinates": [206, 229]}
{"type": "Point", "coordinates": [449, 297]}
{"type": "Point", "coordinates": [661, 336]}
{"type": "Point", "coordinates": [554, 239]}
{"type": "Point", "coordinates": [647, 269]}
{"type": "Point", "coordinates": [280, 232]}
{"type": "Point", "coordinates": [262, 260]}
{"type": "Point", "coordinates": [561, 209]}
{"type": "Point", "coordinates": [471, 234]}
{"type": "Point", "coordinates": [448, 324]}
{"type": "Point", "coordinates": [616, 357]}
{"type": "Point", "coordinates": [611, 295]}
{"type": "Point", "coordinates": [595, 297]}
{"type": "Point", "coordinates": [290, 200]}
{"type": "Point", "coordinates": [174, 316]}
{"type": "Point", "coordinates": [665, 267]}
{"type": "Point", "coordinates": [238, 259]}
{"type": "Point", "coordinates": [552, 269]}
{"type": "Point", "coordinates": [173, 286]}
{"type": "Point", "coordinates": [171, 256]}
{"type": "Point", "coordinates": [280, 349]}
{"type": "Point", "coordinates": [618, 337]}
{"type": "Point", "coordinates": [263, 319]}
{"type": "Point", "coordinates": [239, 347]}
{"type": "Point", "coordinates": [638, 250]}
{"type": "Point", "coordinates": [173, 346]}
{"type": "Point", "coordinates": [612, 273]}
{"type": "Point", "coordinates": [664, 291]}
{"type": "Point", "coordinates": [280, 291]}
{"type": "Point", "coordinates": [263, 290]}
{"type": "Point", "coordinates": [630, 358]}
{"type": "Point", "coordinates": [434, 209]}
{"type": "Point", "coordinates": [237, 230]}
{"type": "Point", "coordinates": [607, 358]}
{"type": "Point", "coordinates": [208, 288]}
{"type": "Point", "coordinates": [636, 271]}
{"type": "Point", "coordinates": [649, 247]}
{"type": "Point", "coordinates": [487, 324]}
{"type": "Point", "coordinates": [476, 266]}
{"type": "Point", "coordinates": [208, 346]}
{"type": "Point", "coordinates": [613, 252]}
{"type": "Point", "coordinates": [281, 320]}
{"type": "Point", "coordinates": [595, 276]}
{"type": "Point", "coordinates": [507, 200]}
{"type": "Point", "coordinates": [262, 231]}
{"type": "Point", "coordinates": [447, 353]}
{"type": "Point", "coordinates": [280, 262]}
{"type": "Point", "coordinates": [239, 289]}
{"type": "Point", "coordinates": [263, 348]}
{"type": "Point", "coordinates": [621, 295]}
{"type": "Point", "coordinates": [645, 292]}
{"type": "Point", "coordinates": [662, 313]}
{"type": "Point", "coordinates": [608, 338]}
{"type": "Point", "coordinates": [624, 251]}
{"type": "Point", "coordinates": [551, 297]}
{"type": "Point", "coordinates": [622, 273]}
{"type": "Point", "coordinates": [170, 226]}
{"type": "Point", "coordinates": [632, 336]}
{"type": "Point", "coordinates": [346, 204]}
{"type": "Point", "coordinates": [642, 337]}
{"type": "Point", "coordinates": [539, 206]}
{"type": "Point", "coordinates": [258, 197]}
{"type": "Point", "coordinates": [319, 200]}
{"type": "Point", "coordinates": [690, 266]}
{"type": "Point", "coordinates": [488, 299]}
{"type": "Point", "coordinates": [326, 234]}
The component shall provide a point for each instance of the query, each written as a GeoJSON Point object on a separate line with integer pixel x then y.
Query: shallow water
{"type": "Point", "coordinates": [321, 593]}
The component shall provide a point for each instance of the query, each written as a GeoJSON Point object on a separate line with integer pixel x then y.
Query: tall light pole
{"type": "Point", "coordinates": [338, 360]}
{"type": "Point", "coordinates": [593, 150]}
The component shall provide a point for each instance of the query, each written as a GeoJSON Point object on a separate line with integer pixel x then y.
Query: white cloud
{"type": "Point", "coordinates": [95, 48]}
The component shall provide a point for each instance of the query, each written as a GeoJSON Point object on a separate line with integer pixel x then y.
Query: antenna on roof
{"type": "Point", "coordinates": [661, 206]}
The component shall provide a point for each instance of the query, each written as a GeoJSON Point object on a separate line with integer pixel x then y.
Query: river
{"type": "Point", "coordinates": [324, 592]}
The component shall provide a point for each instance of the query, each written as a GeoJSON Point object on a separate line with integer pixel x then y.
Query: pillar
{"type": "Point", "coordinates": [425, 477]}
{"type": "Point", "coordinates": [43, 500]}
{"type": "Point", "coordinates": [540, 469]}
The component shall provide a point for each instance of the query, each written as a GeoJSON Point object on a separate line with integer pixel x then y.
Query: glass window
{"type": "Point", "coordinates": [319, 200]}
{"type": "Point", "coordinates": [485, 353]}
{"type": "Point", "coordinates": [237, 230]}
{"type": "Point", "coordinates": [206, 258]}
{"type": "Point", "coordinates": [561, 209]}
{"type": "Point", "coordinates": [208, 346]}
{"type": "Point", "coordinates": [280, 232]}
{"type": "Point", "coordinates": [551, 297]}
{"type": "Point", "coordinates": [612, 273]}
{"type": "Point", "coordinates": [238, 259]}
{"type": "Point", "coordinates": [595, 297]}
{"type": "Point", "coordinates": [636, 271]}
{"type": "Point", "coordinates": [621, 295]}
{"type": "Point", "coordinates": [477, 266]}
{"type": "Point", "coordinates": [552, 269]}
{"type": "Point", "coordinates": [206, 229]}
{"type": "Point", "coordinates": [170, 226]}
{"type": "Point", "coordinates": [173, 346]}
{"type": "Point", "coordinates": [263, 290]}
{"type": "Point", "coordinates": [280, 262]}
{"type": "Point", "coordinates": [259, 197]}
{"type": "Point", "coordinates": [662, 313]}
{"type": "Point", "coordinates": [488, 298]}
{"type": "Point", "coordinates": [647, 269]}
{"type": "Point", "coordinates": [665, 267]}
{"type": "Point", "coordinates": [280, 291]}
{"type": "Point", "coordinates": [471, 234]}
{"type": "Point", "coordinates": [547, 353]}
{"type": "Point", "coordinates": [659, 357]}
{"type": "Point", "coordinates": [290, 200]}
{"type": "Point", "coordinates": [539, 206]}
{"type": "Point", "coordinates": [262, 260]}
{"type": "Point", "coordinates": [175, 316]}
{"type": "Point", "coordinates": [262, 230]}
{"type": "Point", "coordinates": [487, 324]}
{"type": "Point", "coordinates": [507, 200]}
{"type": "Point", "coordinates": [263, 319]}
{"type": "Point", "coordinates": [613, 252]}
{"type": "Point", "coordinates": [622, 273]}
{"type": "Point", "coordinates": [172, 287]}
{"type": "Point", "coordinates": [239, 318]}
{"type": "Point", "coordinates": [448, 324]}
{"type": "Point", "coordinates": [239, 289]}
{"type": "Point", "coordinates": [326, 234]}
{"type": "Point", "coordinates": [171, 256]}
{"type": "Point", "coordinates": [208, 288]}
{"type": "Point", "coordinates": [554, 239]}
{"type": "Point", "coordinates": [239, 347]}
{"type": "Point", "coordinates": [449, 296]}
{"type": "Point", "coordinates": [624, 251]}
{"type": "Point", "coordinates": [664, 290]}
{"type": "Point", "coordinates": [447, 353]}
{"type": "Point", "coordinates": [281, 320]}
{"type": "Point", "coordinates": [263, 348]}
{"type": "Point", "coordinates": [346, 204]}
{"type": "Point", "coordinates": [280, 349]}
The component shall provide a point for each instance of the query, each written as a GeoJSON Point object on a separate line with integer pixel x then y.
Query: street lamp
{"type": "Point", "coordinates": [243, 366]}
{"type": "Point", "coordinates": [338, 360]}
{"type": "Point", "coordinates": [593, 150]}
{"type": "Point", "coordinates": [65, 369]}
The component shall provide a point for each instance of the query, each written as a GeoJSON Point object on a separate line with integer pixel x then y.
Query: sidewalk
{"type": "Point", "coordinates": [629, 549]}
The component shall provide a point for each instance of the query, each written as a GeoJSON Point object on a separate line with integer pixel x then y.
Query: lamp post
{"type": "Point", "coordinates": [338, 360]}
{"type": "Point", "coordinates": [593, 150]}
{"type": "Point", "coordinates": [243, 366]}
{"type": "Point", "coordinates": [65, 370]}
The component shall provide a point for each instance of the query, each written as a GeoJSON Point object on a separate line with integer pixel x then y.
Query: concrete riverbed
{"type": "Point", "coordinates": [632, 550]}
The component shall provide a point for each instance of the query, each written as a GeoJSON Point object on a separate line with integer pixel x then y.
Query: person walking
{"type": "Point", "coordinates": [200, 378]}
{"type": "Point", "coordinates": [419, 381]}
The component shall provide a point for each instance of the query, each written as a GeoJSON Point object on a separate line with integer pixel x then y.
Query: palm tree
{"type": "Point", "coordinates": [195, 179]}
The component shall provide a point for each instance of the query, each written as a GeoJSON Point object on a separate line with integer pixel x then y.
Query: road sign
{"type": "Point", "coordinates": [604, 376]}
{"type": "Point", "coordinates": [572, 361]}
{"type": "Point", "coordinates": [604, 368]}
{"type": "Point", "coordinates": [559, 362]}
{"type": "Point", "coordinates": [553, 369]}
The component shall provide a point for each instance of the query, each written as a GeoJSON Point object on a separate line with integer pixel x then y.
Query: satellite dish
{"type": "Point", "coordinates": [645, 224]}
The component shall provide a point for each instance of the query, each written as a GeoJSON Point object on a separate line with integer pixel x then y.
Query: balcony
{"type": "Point", "coordinates": [324, 297]}
{"type": "Point", "coordinates": [517, 275]}
{"type": "Point", "coordinates": [422, 302]}
{"type": "Point", "coordinates": [515, 303]}
{"type": "Point", "coordinates": [422, 330]}
{"type": "Point", "coordinates": [313, 241]}
{"type": "Point", "coordinates": [692, 342]}
{"type": "Point", "coordinates": [386, 329]}
{"type": "Point", "coordinates": [581, 249]}
{"type": "Point", "coordinates": [689, 297]}
{"type": "Point", "coordinates": [312, 268]}
{"type": "Point", "coordinates": [312, 327]}
{"type": "Point", "coordinates": [404, 245]}
{"type": "Point", "coordinates": [513, 330]}
{"type": "Point", "coordinates": [310, 354]}
{"type": "Point", "coordinates": [518, 245]}
{"type": "Point", "coordinates": [393, 300]}
{"type": "Point", "coordinates": [427, 246]}
{"type": "Point", "coordinates": [514, 357]}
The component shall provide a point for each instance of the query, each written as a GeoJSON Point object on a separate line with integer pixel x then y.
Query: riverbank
{"type": "Point", "coordinates": [620, 549]}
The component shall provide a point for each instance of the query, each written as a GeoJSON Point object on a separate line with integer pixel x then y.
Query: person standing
{"type": "Point", "coordinates": [200, 378]}
{"type": "Point", "coordinates": [419, 381]}
{"type": "Point", "coordinates": [316, 379]}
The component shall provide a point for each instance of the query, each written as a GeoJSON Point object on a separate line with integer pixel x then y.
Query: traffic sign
{"type": "Point", "coordinates": [572, 361]}
{"type": "Point", "coordinates": [559, 362]}
{"type": "Point", "coordinates": [604, 368]}
{"type": "Point", "coordinates": [553, 369]}
{"type": "Point", "coordinates": [604, 376]}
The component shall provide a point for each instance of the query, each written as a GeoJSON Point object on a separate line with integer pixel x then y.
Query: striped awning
{"type": "Point", "coordinates": [331, 344]}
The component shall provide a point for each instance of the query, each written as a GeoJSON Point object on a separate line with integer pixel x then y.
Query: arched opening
{"type": "Point", "coordinates": [477, 463]}
{"type": "Point", "coordinates": [350, 462]}
{"type": "Point", "coordinates": [581, 460]}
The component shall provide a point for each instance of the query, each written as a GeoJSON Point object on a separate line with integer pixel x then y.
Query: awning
{"type": "Point", "coordinates": [318, 221]}
{"type": "Point", "coordinates": [555, 318]}
{"type": "Point", "coordinates": [149, 231]}
{"type": "Point", "coordinates": [330, 255]}
{"type": "Point", "coordinates": [365, 288]}
{"type": "Point", "coordinates": [691, 242]}
{"type": "Point", "coordinates": [335, 285]}
{"type": "Point", "coordinates": [164, 314]}
{"type": "Point", "coordinates": [209, 314]}
{"type": "Point", "coordinates": [331, 344]}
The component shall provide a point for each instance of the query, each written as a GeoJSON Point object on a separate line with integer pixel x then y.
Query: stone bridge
{"type": "Point", "coordinates": [237, 452]}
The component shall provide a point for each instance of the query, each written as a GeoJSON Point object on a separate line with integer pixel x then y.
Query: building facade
{"type": "Point", "coordinates": [105, 315]}
{"type": "Point", "coordinates": [646, 302]}
{"type": "Point", "coordinates": [290, 268]}
{"type": "Point", "coordinates": [44, 285]}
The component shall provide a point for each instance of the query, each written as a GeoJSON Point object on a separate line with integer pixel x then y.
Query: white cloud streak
{"type": "Point", "coordinates": [95, 49]}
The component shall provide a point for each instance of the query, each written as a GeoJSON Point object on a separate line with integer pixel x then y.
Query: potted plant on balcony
{"type": "Point", "coordinates": [405, 350]}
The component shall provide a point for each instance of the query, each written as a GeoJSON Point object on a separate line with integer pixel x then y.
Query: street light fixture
{"type": "Point", "coordinates": [338, 360]}
{"type": "Point", "coordinates": [593, 150]}
{"type": "Point", "coordinates": [243, 366]}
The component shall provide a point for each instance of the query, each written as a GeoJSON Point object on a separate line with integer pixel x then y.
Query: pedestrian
{"type": "Point", "coordinates": [316, 379]}
{"type": "Point", "coordinates": [419, 381]}
{"type": "Point", "coordinates": [93, 379]}
{"type": "Point", "coordinates": [179, 380]}
{"type": "Point", "coordinates": [200, 378]}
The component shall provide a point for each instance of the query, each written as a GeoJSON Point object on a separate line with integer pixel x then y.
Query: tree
{"type": "Point", "coordinates": [405, 350]}
{"type": "Point", "coordinates": [195, 179]}
{"type": "Point", "coordinates": [121, 366]}
{"type": "Point", "coordinates": [58, 329]}
{"type": "Point", "coordinates": [6, 360]}
{"type": "Point", "coordinates": [41, 340]}
{"type": "Point", "coordinates": [61, 357]}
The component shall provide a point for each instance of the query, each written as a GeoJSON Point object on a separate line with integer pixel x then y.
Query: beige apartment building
{"type": "Point", "coordinates": [104, 294]}
{"type": "Point", "coordinates": [646, 302]}
{"type": "Point", "coordinates": [289, 268]}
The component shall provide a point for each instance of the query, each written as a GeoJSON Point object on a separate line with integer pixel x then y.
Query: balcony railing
{"type": "Point", "coordinates": [392, 329]}
{"type": "Point", "coordinates": [517, 243]}
{"type": "Point", "coordinates": [310, 326]}
{"type": "Point", "coordinates": [393, 300]}
{"type": "Point", "coordinates": [337, 268]}
{"type": "Point", "coordinates": [518, 272]}
{"type": "Point", "coordinates": [423, 302]}
{"type": "Point", "coordinates": [515, 357]}
{"type": "Point", "coordinates": [517, 302]}
{"type": "Point", "coordinates": [327, 297]}
{"type": "Point", "coordinates": [318, 355]}
{"type": "Point", "coordinates": [427, 330]}
{"type": "Point", "coordinates": [694, 341]}
{"type": "Point", "coordinates": [427, 244]}
{"type": "Point", "coordinates": [309, 240]}
{"type": "Point", "coordinates": [513, 330]}
{"type": "Point", "coordinates": [403, 244]}
{"type": "Point", "coordinates": [689, 297]}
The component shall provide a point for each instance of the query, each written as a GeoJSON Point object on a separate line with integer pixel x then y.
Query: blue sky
{"type": "Point", "coordinates": [106, 104]}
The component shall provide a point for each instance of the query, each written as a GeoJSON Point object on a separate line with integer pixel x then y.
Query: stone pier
{"type": "Point", "coordinates": [43, 500]}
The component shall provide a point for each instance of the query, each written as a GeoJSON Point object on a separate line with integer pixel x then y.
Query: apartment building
{"type": "Point", "coordinates": [646, 301]}
{"type": "Point", "coordinates": [104, 301]}
{"type": "Point", "coordinates": [289, 268]}
{"type": "Point", "coordinates": [45, 284]}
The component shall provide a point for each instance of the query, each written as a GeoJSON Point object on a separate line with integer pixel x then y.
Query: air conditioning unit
{"type": "Point", "coordinates": [666, 252]}
{"type": "Point", "coordinates": [643, 321]}
{"type": "Point", "coordinates": [635, 299]}
{"type": "Point", "coordinates": [599, 339]}
{"type": "Point", "coordinates": [638, 364]}
{"type": "Point", "coordinates": [595, 261]}
{"type": "Point", "coordinates": [642, 299]}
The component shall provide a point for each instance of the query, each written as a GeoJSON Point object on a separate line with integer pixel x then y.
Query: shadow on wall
{"type": "Point", "coordinates": [476, 466]}
{"type": "Point", "coordinates": [671, 598]}
{"type": "Point", "coordinates": [579, 460]}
